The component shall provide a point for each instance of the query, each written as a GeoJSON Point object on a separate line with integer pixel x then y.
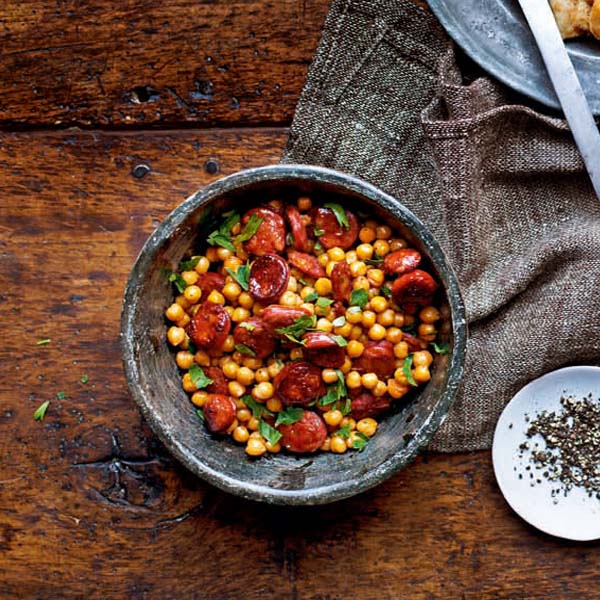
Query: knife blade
{"type": "Point", "coordinates": [577, 111]}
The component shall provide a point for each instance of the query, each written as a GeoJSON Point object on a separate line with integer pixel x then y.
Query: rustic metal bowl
{"type": "Point", "coordinates": [155, 383]}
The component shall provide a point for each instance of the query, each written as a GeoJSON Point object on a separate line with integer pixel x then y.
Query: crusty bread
{"type": "Point", "coordinates": [577, 17]}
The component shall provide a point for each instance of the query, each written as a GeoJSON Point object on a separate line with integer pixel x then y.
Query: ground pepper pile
{"type": "Point", "coordinates": [571, 452]}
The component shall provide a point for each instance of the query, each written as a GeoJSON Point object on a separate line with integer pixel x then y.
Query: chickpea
{"type": "Point", "coordinates": [361, 283]}
{"type": "Point", "coordinates": [323, 286]}
{"type": "Point", "coordinates": [400, 377]}
{"type": "Point", "coordinates": [377, 332]}
{"type": "Point", "coordinates": [386, 318]}
{"type": "Point", "coordinates": [394, 335]}
{"type": "Point", "coordinates": [422, 358]}
{"type": "Point", "coordinates": [243, 415]}
{"type": "Point", "coordinates": [211, 255]}
{"type": "Point", "coordinates": [338, 444]}
{"type": "Point", "coordinates": [353, 437]}
{"type": "Point", "coordinates": [399, 320]}
{"type": "Point", "coordinates": [241, 434]}
{"type": "Point", "coordinates": [378, 304]}
{"type": "Point", "coordinates": [355, 349]}
{"type": "Point", "coordinates": [274, 404]}
{"type": "Point", "coordinates": [356, 332]}
{"type": "Point", "coordinates": [263, 391]}
{"type": "Point", "coordinates": [329, 268]}
{"type": "Point", "coordinates": [203, 265]}
{"type": "Point", "coordinates": [187, 383]}
{"type": "Point", "coordinates": [273, 448]}
{"type": "Point", "coordinates": [344, 330]}
{"type": "Point", "coordinates": [376, 277]}
{"type": "Point", "coordinates": [231, 291]}
{"type": "Point", "coordinates": [274, 369]}
{"type": "Point", "coordinates": [240, 314]}
{"type": "Point", "coordinates": [190, 277]}
{"type": "Point", "coordinates": [256, 309]}
{"type": "Point", "coordinates": [233, 263]}
{"type": "Point", "coordinates": [350, 422]}
{"type": "Point", "coordinates": [174, 312]}
{"type": "Point", "coordinates": [369, 380]}
{"type": "Point", "coordinates": [245, 300]}
{"type": "Point", "coordinates": [176, 335]}
{"type": "Point", "coordinates": [368, 318]}
{"type": "Point", "coordinates": [326, 447]}
{"type": "Point", "coordinates": [229, 344]}
{"type": "Point", "coordinates": [252, 424]}
{"type": "Point", "coordinates": [306, 291]}
{"type": "Point", "coordinates": [401, 350]}
{"type": "Point", "coordinates": [358, 268]}
{"type": "Point", "coordinates": [333, 417]}
{"type": "Point", "coordinates": [396, 390]}
{"type": "Point", "coordinates": [364, 252]}
{"type": "Point", "coordinates": [308, 307]}
{"type": "Point", "coordinates": [353, 380]}
{"type": "Point", "coordinates": [182, 302]}
{"type": "Point", "coordinates": [427, 331]}
{"type": "Point", "coordinates": [252, 362]}
{"type": "Point", "coordinates": [202, 358]}
{"type": "Point", "coordinates": [351, 256]}
{"type": "Point", "coordinates": [421, 374]}
{"type": "Point", "coordinates": [367, 235]}
{"type": "Point", "coordinates": [336, 253]}
{"type": "Point", "coordinates": [255, 447]}
{"type": "Point", "coordinates": [224, 253]}
{"type": "Point", "coordinates": [192, 294]}
{"type": "Point", "coordinates": [430, 314]}
{"type": "Point", "coordinates": [380, 389]}
{"type": "Point", "coordinates": [290, 299]}
{"type": "Point", "coordinates": [304, 203]}
{"type": "Point", "coordinates": [323, 259]}
{"type": "Point", "coordinates": [397, 244]}
{"type": "Point", "coordinates": [354, 315]}
{"type": "Point", "coordinates": [199, 398]}
{"type": "Point", "coordinates": [292, 285]}
{"type": "Point", "coordinates": [324, 324]}
{"type": "Point", "coordinates": [236, 389]}
{"type": "Point", "coordinates": [245, 376]}
{"type": "Point", "coordinates": [262, 374]}
{"type": "Point", "coordinates": [296, 354]}
{"type": "Point", "coordinates": [230, 369]}
{"type": "Point", "coordinates": [229, 310]}
{"type": "Point", "coordinates": [216, 298]}
{"type": "Point", "coordinates": [329, 375]}
{"type": "Point", "coordinates": [184, 359]}
{"type": "Point", "coordinates": [408, 320]}
{"type": "Point", "coordinates": [381, 248]}
{"type": "Point", "coordinates": [367, 426]}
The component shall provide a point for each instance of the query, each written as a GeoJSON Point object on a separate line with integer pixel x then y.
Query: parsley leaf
{"type": "Point", "coordinates": [339, 321]}
{"type": "Point", "coordinates": [43, 342]}
{"type": "Point", "coordinates": [318, 246]}
{"type": "Point", "coordinates": [360, 441]}
{"type": "Point", "coordinates": [359, 298]}
{"type": "Point", "coordinates": [346, 408]}
{"type": "Point", "coordinates": [324, 302]}
{"type": "Point", "coordinates": [258, 409]}
{"type": "Point", "coordinates": [269, 433]}
{"type": "Point", "coordinates": [411, 329]}
{"type": "Point", "coordinates": [289, 416]}
{"type": "Point", "coordinates": [297, 329]}
{"type": "Point", "coordinates": [242, 275]}
{"type": "Point", "coordinates": [343, 432]}
{"type": "Point", "coordinates": [339, 340]}
{"type": "Point", "coordinates": [340, 214]}
{"type": "Point", "coordinates": [311, 297]}
{"type": "Point", "coordinates": [247, 326]}
{"type": "Point", "coordinates": [191, 347]}
{"type": "Point", "coordinates": [222, 236]}
{"type": "Point", "coordinates": [250, 228]}
{"type": "Point", "coordinates": [218, 239]}
{"type": "Point", "coordinates": [318, 232]}
{"type": "Point", "coordinates": [386, 292]}
{"type": "Point", "coordinates": [353, 310]}
{"type": "Point", "coordinates": [178, 281]}
{"type": "Point", "coordinates": [408, 361]}
{"type": "Point", "coordinates": [200, 414]}
{"type": "Point", "coordinates": [199, 379]}
{"type": "Point", "coordinates": [188, 265]}
{"type": "Point", "coordinates": [336, 391]}
{"type": "Point", "coordinates": [85, 378]}
{"type": "Point", "coordinates": [375, 261]}
{"type": "Point", "coordinates": [40, 412]}
{"type": "Point", "coordinates": [243, 349]}
{"type": "Point", "coordinates": [441, 348]}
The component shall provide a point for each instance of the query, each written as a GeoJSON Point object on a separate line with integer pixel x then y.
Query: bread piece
{"type": "Point", "coordinates": [573, 16]}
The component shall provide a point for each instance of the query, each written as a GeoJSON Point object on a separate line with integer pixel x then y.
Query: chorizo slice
{"type": "Point", "coordinates": [210, 281]}
{"type": "Point", "coordinates": [377, 357]}
{"type": "Point", "coordinates": [277, 315]}
{"type": "Point", "coordinates": [270, 235]}
{"type": "Point", "coordinates": [257, 335]}
{"type": "Point", "coordinates": [298, 228]}
{"type": "Point", "coordinates": [414, 344]}
{"type": "Point", "coordinates": [299, 383]}
{"type": "Point", "coordinates": [334, 234]}
{"type": "Point", "coordinates": [219, 384]}
{"type": "Point", "coordinates": [269, 277]}
{"type": "Point", "coordinates": [307, 263]}
{"type": "Point", "coordinates": [367, 405]}
{"type": "Point", "coordinates": [413, 289]}
{"type": "Point", "coordinates": [322, 350]}
{"type": "Point", "coordinates": [219, 412]}
{"type": "Point", "coordinates": [305, 435]}
{"type": "Point", "coordinates": [210, 326]}
{"type": "Point", "coordinates": [401, 261]}
{"type": "Point", "coordinates": [341, 281]}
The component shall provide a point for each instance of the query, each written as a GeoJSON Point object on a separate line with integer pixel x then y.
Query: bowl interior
{"type": "Point", "coordinates": [156, 383]}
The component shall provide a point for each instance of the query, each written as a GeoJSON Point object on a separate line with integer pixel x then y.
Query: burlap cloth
{"type": "Point", "coordinates": [501, 187]}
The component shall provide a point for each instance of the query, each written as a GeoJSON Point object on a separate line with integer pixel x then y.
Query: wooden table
{"type": "Point", "coordinates": [112, 113]}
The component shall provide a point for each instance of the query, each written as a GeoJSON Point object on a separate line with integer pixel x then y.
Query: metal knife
{"type": "Point", "coordinates": [543, 25]}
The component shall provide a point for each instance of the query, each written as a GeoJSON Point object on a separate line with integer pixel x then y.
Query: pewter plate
{"type": "Point", "coordinates": [495, 35]}
{"type": "Point", "coordinates": [573, 517]}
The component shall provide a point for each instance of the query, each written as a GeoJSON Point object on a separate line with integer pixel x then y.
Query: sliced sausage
{"type": "Point", "coordinates": [377, 357]}
{"type": "Point", "coordinates": [277, 315]}
{"type": "Point", "coordinates": [269, 277]}
{"type": "Point", "coordinates": [322, 350]}
{"type": "Point", "coordinates": [341, 281]}
{"type": "Point", "coordinates": [210, 326]}
{"type": "Point", "coordinates": [270, 235]}
{"type": "Point", "coordinates": [298, 228]}
{"type": "Point", "coordinates": [305, 435]}
{"type": "Point", "coordinates": [219, 412]}
{"type": "Point", "coordinates": [307, 263]}
{"type": "Point", "coordinates": [299, 383]}
{"type": "Point", "coordinates": [219, 384]}
{"type": "Point", "coordinates": [414, 344]}
{"type": "Point", "coordinates": [413, 289]}
{"type": "Point", "coordinates": [257, 335]}
{"type": "Point", "coordinates": [401, 261]}
{"type": "Point", "coordinates": [367, 405]}
{"type": "Point", "coordinates": [208, 282]}
{"type": "Point", "coordinates": [335, 234]}
{"type": "Point", "coordinates": [338, 308]}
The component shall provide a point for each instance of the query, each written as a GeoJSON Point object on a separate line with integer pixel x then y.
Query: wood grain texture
{"type": "Point", "coordinates": [92, 506]}
{"type": "Point", "coordinates": [107, 63]}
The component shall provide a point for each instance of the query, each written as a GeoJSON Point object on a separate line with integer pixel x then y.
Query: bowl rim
{"type": "Point", "coordinates": [324, 493]}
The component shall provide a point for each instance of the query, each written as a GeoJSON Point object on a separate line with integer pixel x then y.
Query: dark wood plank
{"type": "Point", "coordinates": [92, 506]}
{"type": "Point", "coordinates": [213, 62]}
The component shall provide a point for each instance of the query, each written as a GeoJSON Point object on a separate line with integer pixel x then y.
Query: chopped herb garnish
{"type": "Point", "coordinates": [250, 228]}
{"type": "Point", "coordinates": [61, 396]}
{"type": "Point", "coordinates": [360, 441]}
{"type": "Point", "coordinates": [386, 292]}
{"type": "Point", "coordinates": [297, 329]}
{"type": "Point", "coordinates": [339, 322]}
{"type": "Point", "coordinates": [178, 281]}
{"type": "Point", "coordinates": [343, 432]}
{"type": "Point", "coordinates": [340, 214]}
{"type": "Point", "coordinates": [191, 347]}
{"type": "Point", "coordinates": [269, 433]}
{"type": "Point", "coordinates": [311, 297]}
{"type": "Point", "coordinates": [289, 240]}
{"type": "Point", "coordinates": [43, 342]}
{"type": "Point", "coordinates": [289, 416]}
{"type": "Point", "coordinates": [375, 261]}
{"type": "Point", "coordinates": [188, 265]}
{"type": "Point", "coordinates": [40, 412]}
{"type": "Point", "coordinates": [408, 361]}
{"type": "Point", "coordinates": [258, 409]}
{"type": "Point", "coordinates": [441, 348]}
{"type": "Point", "coordinates": [336, 391]}
{"type": "Point", "coordinates": [346, 408]}
{"type": "Point", "coordinates": [222, 236]}
{"type": "Point", "coordinates": [303, 281]}
{"type": "Point", "coordinates": [243, 349]}
{"type": "Point", "coordinates": [353, 310]}
{"type": "Point", "coordinates": [242, 275]}
{"type": "Point", "coordinates": [324, 302]}
{"type": "Point", "coordinates": [247, 326]}
{"type": "Point", "coordinates": [339, 340]}
{"type": "Point", "coordinates": [199, 378]}
{"type": "Point", "coordinates": [318, 232]}
{"type": "Point", "coordinates": [411, 329]}
{"type": "Point", "coordinates": [318, 246]}
{"type": "Point", "coordinates": [359, 298]}
{"type": "Point", "coordinates": [85, 378]}
{"type": "Point", "coordinates": [200, 414]}
{"type": "Point", "coordinates": [279, 363]}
